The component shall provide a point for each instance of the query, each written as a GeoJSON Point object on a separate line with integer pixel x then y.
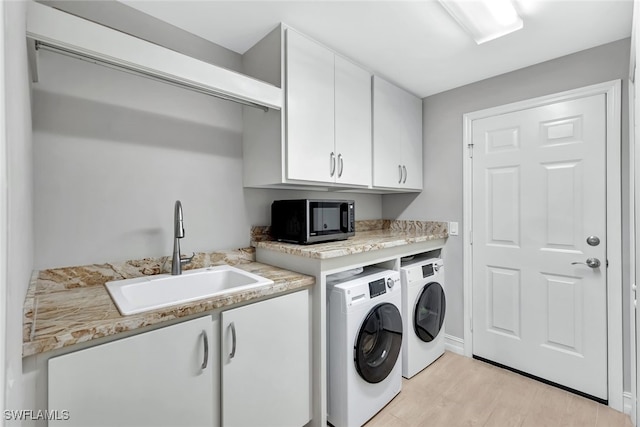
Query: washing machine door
{"type": "Point", "coordinates": [428, 315]}
{"type": "Point", "coordinates": [378, 343]}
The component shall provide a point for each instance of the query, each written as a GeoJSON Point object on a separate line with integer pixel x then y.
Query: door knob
{"type": "Point", "coordinates": [591, 262]}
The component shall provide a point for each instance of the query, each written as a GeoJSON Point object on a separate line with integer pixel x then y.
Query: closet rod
{"type": "Point", "coordinates": [146, 74]}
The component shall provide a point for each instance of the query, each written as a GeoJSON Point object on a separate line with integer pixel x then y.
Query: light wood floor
{"type": "Point", "coordinates": [460, 391]}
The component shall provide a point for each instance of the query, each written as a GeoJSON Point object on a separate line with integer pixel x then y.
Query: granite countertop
{"type": "Point", "coordinates": [70, 305]}
{"type": "Point", "coordinates": [370, 236]}
{"type": "Point", "coordinates": [66, 306]}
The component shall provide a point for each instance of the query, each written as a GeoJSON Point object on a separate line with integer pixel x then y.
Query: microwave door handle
{"type": "Point", "coordinates": [344, 217]}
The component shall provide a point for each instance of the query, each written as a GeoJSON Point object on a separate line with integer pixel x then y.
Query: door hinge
{"type": "Point", "coordinates": [470, 146]}
{"type": "Point", "coordinates": [471, 323]}
{"type": "Point", "coordinates": [471, 237]}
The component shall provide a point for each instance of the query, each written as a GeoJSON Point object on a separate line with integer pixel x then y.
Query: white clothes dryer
{"type": "Point", "coordinates": [423, 313]}
{"type": "Point", "coordinates": [364, 344]}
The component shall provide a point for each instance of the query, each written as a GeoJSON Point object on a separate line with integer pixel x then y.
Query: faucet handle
{"type": "Point", "coordinates": [187, 260]}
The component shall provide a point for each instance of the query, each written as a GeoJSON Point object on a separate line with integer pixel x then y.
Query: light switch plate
{"type": "Point", "coordinates": [453, 229]}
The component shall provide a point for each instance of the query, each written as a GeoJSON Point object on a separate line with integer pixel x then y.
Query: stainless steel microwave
{"type": "Point", "coordinates": [311, 221]}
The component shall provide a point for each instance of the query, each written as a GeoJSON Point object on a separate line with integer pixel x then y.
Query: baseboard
{"type": "Point", "coordinates": [454, 344]}
{"type": "Point", "coordinates": [627, 402]}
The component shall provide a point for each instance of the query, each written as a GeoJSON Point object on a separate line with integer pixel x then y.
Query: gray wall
{"type": "Point", "coordinates": [113, 152]}
{"type": "Point", "coordinates": [443, 152]}
{"type": "Point", "coordinates": [19, 198]}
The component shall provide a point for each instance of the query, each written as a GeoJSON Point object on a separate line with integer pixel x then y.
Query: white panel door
{"type": "Point", "coordinates": [352, 123]}
{"type": "Point", "coordinates": [309, 110]}
{"type": "Point", "coordinates": [538, 193]}
{"type": "Point", "coordinates": [266, 363]}
{"type": "Point", "coordinates": [153, 379]}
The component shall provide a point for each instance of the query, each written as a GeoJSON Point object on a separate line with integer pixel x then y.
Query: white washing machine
{"type": "Point", "coordinates": [423, 314]}
{"type": "Point", "coordinates": [364, 344]}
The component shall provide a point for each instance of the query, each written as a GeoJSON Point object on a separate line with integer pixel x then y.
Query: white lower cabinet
{"type": "Point", "coordinates": [266, 363]}
{"type": "Point", "coordinates": [256, 374]}
{"type": "Point", "coordinates": [165, 377]}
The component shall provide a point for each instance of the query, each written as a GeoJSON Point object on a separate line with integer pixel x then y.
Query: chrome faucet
{"type": "Point", "coordinates": [178, 233]}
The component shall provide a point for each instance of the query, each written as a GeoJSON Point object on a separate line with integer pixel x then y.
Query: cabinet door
{"type": "Point", "coordinates": [352, 123]}
{"type": "Point", "coordinates": [310, 109]}
{"type": "Point", "coordinates": [387, 158]}
{"type": "Point", "coordinates": [397, 137]}
{"type": "Point", "coordinates": [266, 363]}
{"type": "Point", "coordinates": [411, 140]}
{"type": "Point", "coordinates": [151, 379]}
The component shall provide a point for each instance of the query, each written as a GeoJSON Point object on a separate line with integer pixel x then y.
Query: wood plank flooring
{"type": "Point", "coordinates": [460, 391]}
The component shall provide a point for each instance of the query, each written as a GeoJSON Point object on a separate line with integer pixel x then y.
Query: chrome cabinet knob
{"type": "Point", "coordinates": [591, 262]}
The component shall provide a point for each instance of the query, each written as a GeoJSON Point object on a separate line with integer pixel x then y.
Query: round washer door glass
{"type": "Point", "coordinates": [428, 315]}
{"type": "Point", "coordinates": [378, 343]}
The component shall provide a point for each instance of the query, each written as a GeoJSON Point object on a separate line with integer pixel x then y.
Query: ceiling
{"type": "Point", "coordinates": [414, 44]}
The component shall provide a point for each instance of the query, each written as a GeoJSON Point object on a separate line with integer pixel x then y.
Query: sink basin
{"type": "Point", "coordinates": [163, 290]}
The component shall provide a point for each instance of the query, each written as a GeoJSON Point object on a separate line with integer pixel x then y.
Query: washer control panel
{"type": "Point", "coordinates": [377, 288]}
{"type": "Point", "coordinates": [372, 282]}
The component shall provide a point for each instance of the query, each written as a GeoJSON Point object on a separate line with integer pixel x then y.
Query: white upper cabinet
{"type": "Point", "coordinates": [310, 110]}
{"type": "Point", "coordinates": [397, 138]}
{"type": "Point", "coordinates": [323, 136]}
{"type": "Point", "coordinates": [328, 107]}
{"type": "Point", "coordinates": [352, 123]}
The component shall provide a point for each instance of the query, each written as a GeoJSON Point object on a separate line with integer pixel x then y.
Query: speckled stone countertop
{"type": "Point", "coordinates": [65, 306]}
{"type": "Point", "coordinates": [370, 236]}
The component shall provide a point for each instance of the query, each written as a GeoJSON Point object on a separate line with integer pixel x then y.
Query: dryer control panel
{"type": "Point", "coordinates": [422, 270]}
{"type": "Point", "coordinates": [427, 270]}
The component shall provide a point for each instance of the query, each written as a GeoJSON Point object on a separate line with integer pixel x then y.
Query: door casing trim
{"type": "Point", "coordinates": [613, 91]}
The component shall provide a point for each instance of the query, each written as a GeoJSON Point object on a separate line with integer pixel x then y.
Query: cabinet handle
{"type": "Point", "coordinates": [340, 165]}
{"type": "Point", "coordinates": [233, 340]}
{"type": "Point", "coordinates": [332, 163]}
{"type": "Point", "coordinates": [205, 361]}
{"type": "Point", "coordinates": [404, 168]}
{"type": "Point", "coordinates": [400, 170]}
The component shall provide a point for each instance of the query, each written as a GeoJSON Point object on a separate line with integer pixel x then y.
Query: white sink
{"type": "Point", "coordinates": [163, 290]}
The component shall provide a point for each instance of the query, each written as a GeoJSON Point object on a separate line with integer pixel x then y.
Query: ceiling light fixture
{"type": "Point", "coordinates": [485, 20]}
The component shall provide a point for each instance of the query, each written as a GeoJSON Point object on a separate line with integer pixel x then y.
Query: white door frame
{"type": "Point", "coordinates": [613, 92]}
{"type": "Point", "coordinates": [634, 186]}
{"type": "Point", "coordinates": [632, 259]}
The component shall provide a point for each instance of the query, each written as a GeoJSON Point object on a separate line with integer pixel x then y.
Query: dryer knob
{"type": "Point", "coordinates": [390, 283]}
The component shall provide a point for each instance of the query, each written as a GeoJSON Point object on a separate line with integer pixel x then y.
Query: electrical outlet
{"type": "Point", "coordinates": [453, 229]}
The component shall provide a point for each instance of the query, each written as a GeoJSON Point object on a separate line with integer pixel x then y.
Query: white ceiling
{"type": "Point", "coordinates": [414, 44]}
